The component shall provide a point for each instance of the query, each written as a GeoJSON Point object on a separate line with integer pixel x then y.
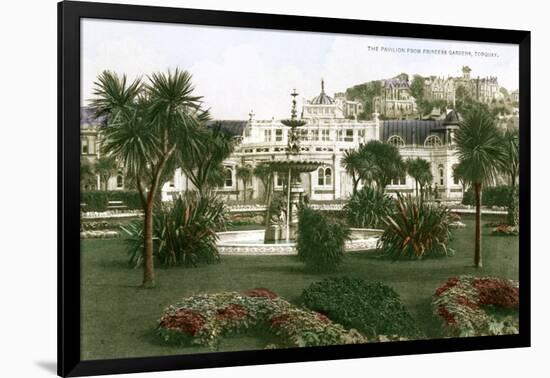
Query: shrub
{"type": "Point", "coordinates": [416, 230]}
{"type": "Point", "coordinates": [372, 308]}
{"type": "Point", "coordinates": [491, 196]}
{"type": "Point", "coordinates": [206, 318]}
{"type": "Point", "coordinates": [99, 200]}
{"type": "Point", "coordinates": [321, 240]}
{"type": "Point", "coordinates": [184, 232]}
{"type": "Point", "coordinates": [477, 306]}
{"type": "Point", "coordinates": [367, 207]}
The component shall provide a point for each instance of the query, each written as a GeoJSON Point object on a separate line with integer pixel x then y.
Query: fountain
{"type": "Point", "coordinates": [281, 227]}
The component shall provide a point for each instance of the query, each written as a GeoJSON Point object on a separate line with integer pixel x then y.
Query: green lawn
{"type": "Point", "coordinates": [119, 318]}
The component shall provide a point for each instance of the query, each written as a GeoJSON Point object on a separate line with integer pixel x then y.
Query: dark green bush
{"type": "Point", "coordinates": [184, 232]}
{"type": "Point", "coordinates": [321, 240]}
{"type": "Point", "coordinates": [491, 196]}
{"type": "Point", "coordinates": [371, 308]}
{"type": "Point", "coordinates": [367, 207]}
{"type": "Point", "coordinates": [99, 200]}
{"type": "Point", "coordinates": [416, 230]}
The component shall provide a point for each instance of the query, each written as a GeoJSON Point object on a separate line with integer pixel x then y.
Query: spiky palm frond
{"type": "Point", "coordinates": [480, 147]}
{"type": "Point", "coordinates": [114, 94]}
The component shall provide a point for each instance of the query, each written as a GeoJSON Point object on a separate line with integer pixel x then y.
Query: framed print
{"type": "Point", "coordinates": [259, 188]}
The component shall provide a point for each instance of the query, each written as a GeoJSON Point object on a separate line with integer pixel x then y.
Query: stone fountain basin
{"type": "Point", "coordinates": [251, 242]}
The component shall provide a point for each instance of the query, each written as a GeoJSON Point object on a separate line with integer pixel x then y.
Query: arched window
{"type": "Point", "coordinates": [396, 140]}
{"type": "Point", "coordinates": [433, 141]}
{"type": "Point", "coordinates": [324, 176]}
{"type": "Point", "coordinates": [119, 180]}
{"type": "Point", "coordinates": [441, 171]}
{"type": "Point", "coordinates": [228, 179]}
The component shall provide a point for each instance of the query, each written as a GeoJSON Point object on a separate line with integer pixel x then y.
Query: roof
{"type": "Point", "coordinates": [323, 98]}
{"type": "Point", "coordinates": [412, 131]}
{"type": "Point", "coordinates": [453, 118]}
{"type": "Point", "coordinates": [232, 127]}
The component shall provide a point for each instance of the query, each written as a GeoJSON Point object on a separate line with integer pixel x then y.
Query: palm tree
{"type": "Point", "coordinates": [383, 163]}
{"type": "Point", "coordinates": [106, 167]}
{"type": "Point", "coordinates": [265, 174]}
{"type": "Point", "coordinates": [203, 165]}
{"type": "Point", "coordinates": [150, 126]}
{"type": "Point", "coordinates": [352, 162]}
{"type": "Point", "coordinates": [420, 170]}
{"type": "Point", "coordinates": [245, 174]}
{"type": "Point", "coordinates": [481, 154]}
{"type": "Point", "coordinates": [87, 175]}
{"type": "Point", "coordinates": [511, 169]}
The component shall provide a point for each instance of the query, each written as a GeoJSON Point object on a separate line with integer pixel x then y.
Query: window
{"type": "Point", "coordinates": [303, 134]}
{"type": "Point", "coordinates": [324, 177]}
{"type": "Point", "coordinates": [433, 141]}
{"type": "Point", "coordinates": [84, 146]}
{"type": "Point", "coordinates": [456, 179]}
{"type": "Point", "coordinates": [119, 180]}
{"type": "Point", "coordinates": [396, 140]}
{"type": "Point", "coordinates": [401, 180]}
{"type": "Point", "coordinates": [349, 135]}
{"type": "Point", "coordinates": [280, 180]}
{"type": "Point", "coordinates": [325, 136]}
{"type": "Point", "coordinates": [278, 135]}
{"type": "Point", "coordinates": [340, 135]}
{"type": "Point", "coordinates": [267, 135]}
{"type": "Point", "coordinates": [441, 171]}
{"type": "Point", "coordinates": [314, 134]}
{"type": "Point", "coordinates": [228, 182]}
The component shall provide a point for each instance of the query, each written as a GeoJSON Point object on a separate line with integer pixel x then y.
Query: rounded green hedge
{"type": "Point", "coordinates": [370, 307]}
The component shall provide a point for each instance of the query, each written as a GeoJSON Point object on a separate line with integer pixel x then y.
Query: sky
{"type": "Point", "coordinates": [239, 70]}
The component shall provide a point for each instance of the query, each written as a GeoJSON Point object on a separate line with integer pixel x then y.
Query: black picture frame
{"type": "Point", "coordinates": [69, 16]}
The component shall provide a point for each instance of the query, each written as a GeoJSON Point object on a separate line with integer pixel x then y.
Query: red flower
{"type": "Point", "coordinates": [232, 312]}
{"type": "Point", "coordinates": [261, 292]}
{"type": "Point", "coordinates": [322, 317]}
{"type": "Point", "coordinates": [464, 301]}
{"type": "Point", "coordinates": [447, 285]}
{"type": "Point", "coordinates": [445, 314]}
{"type": "Point", "coordinates": [496, 292]}
{"type": "Point", "coordinates": [280, 320]}
{"type": "Point", "coordinates": [185, 321]}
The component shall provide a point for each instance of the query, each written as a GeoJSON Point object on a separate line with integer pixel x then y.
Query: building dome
{"type": "Point", "coordinates": [323, 98]}
{"type": "Point", "coordinates": [453, 118]}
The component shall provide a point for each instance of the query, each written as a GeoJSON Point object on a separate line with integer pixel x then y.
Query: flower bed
{"type": "Point", "coordinates": [477, 306]}
{"type": "Point", "coordinates": [206, 318]}
{"type": "Point", "coordinates": [505, 230]}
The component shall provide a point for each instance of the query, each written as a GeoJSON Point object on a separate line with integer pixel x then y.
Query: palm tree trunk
{"type": "Point", "coordinates": [477, 251]}
{"type": "Point", "coordinates": [148, 267]}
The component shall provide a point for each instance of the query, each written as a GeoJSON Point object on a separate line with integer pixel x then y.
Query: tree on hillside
{"type": "Point", "coordinates": [417, 87]}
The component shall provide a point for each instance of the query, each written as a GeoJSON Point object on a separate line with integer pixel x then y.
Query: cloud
{"type": "Point", "coordinates": [125, 55]}
{"type": "Point", "coordinates": [244, 79]}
